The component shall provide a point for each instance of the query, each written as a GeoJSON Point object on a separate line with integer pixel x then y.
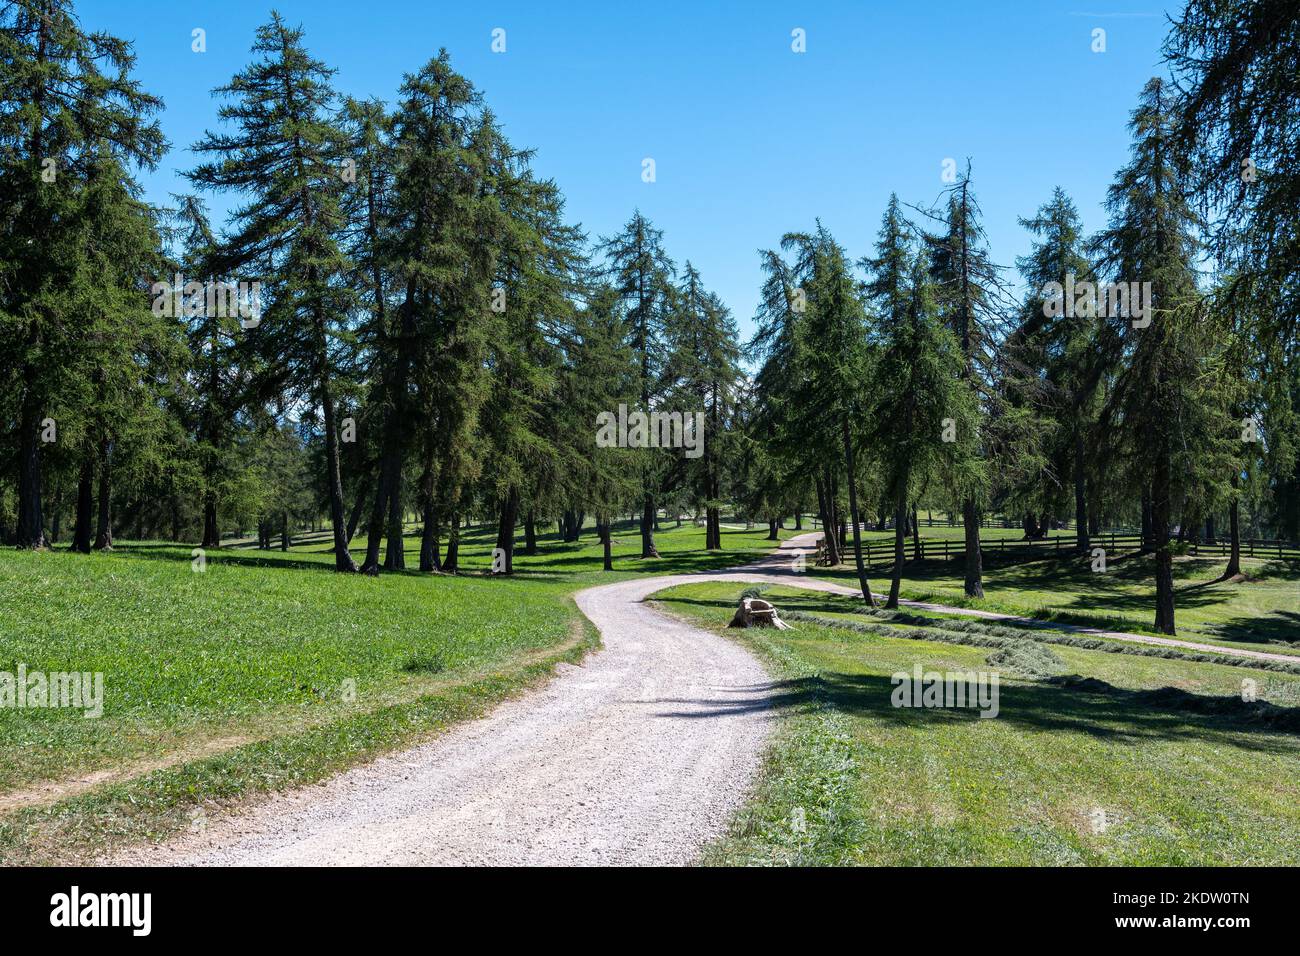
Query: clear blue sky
{"type": "Point", "coordinates": [750, 139]}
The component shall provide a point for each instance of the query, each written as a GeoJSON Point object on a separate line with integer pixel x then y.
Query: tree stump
{"type": "Point", "coordinates": [755, 612]}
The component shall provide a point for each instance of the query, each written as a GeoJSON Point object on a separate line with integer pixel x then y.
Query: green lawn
{"type": "Point", "coordinates": [268, 669]}
{"type": "Point", "coordinates": [1262, 612]}
{"type": "Point", "coordinates": [1136, 760]}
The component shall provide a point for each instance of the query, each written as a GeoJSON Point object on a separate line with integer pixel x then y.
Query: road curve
{"type": "Point", "coordinates": [639, 756]}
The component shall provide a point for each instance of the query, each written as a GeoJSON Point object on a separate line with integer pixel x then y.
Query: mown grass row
{"type": "Point", "coordinates": [1110, 759]}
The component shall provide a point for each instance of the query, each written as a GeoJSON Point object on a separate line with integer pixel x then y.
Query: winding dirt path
{"type": "Point", "coordinates": [639, 756]}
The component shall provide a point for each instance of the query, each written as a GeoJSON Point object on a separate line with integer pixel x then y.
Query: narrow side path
{"type": "Point", "coordinates": [778, 569]}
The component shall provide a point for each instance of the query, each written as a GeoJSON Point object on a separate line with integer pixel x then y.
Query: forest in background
{"type": "Point", "coordinates": [431, 338]}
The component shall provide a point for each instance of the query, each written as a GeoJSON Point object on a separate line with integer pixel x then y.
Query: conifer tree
{"type": "Point", "coordinates": [285, 152]}
{"type": "Point", "coordinates": [968, 292]}
{"type": "Point", "coordinates": [703, 369]}
{"type": "Point", "coordinates": [1058, 361]}
{"type": "Point", "coordinates": [68, 105]}
{"type": "Point", "coordinates": [599, 374]}
{"type": "Point", "coordinates": [640, 270]}
{"type": "Point", "coordinates": [1160, 398]}
{"type": "Point", "coordinates": [916, 381]}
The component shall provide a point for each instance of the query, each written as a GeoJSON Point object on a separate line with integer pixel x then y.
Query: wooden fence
{"type": "Point", "coordinates": [947, 549]}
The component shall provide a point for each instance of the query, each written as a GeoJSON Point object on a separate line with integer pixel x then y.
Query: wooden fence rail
{"type": "Point", "coordinates": [947, 549]}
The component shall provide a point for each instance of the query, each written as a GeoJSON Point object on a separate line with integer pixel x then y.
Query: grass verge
{"type": "Point", "coordinates": [1118, 760]}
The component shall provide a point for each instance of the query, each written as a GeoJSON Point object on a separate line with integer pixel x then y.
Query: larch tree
{"type": "Point", "coordinates": [968, 291]}
{"type": "Point", "coordinates": [1058, 362]}
{"type": "Point", "coordinates": [599, 374]}
{"type": "Point", "coordinates": [703, 371]}
{"type": "Point", "coordinates": [639, 269]}
{"type": "Point", "coordinates": [67, 101]}
{"type": "Point", "coordinates": [915, 383]}
{"type": "Point", "coordinates": [284, 154]}
{"type": "Point", "coordinates": [1161, 394]}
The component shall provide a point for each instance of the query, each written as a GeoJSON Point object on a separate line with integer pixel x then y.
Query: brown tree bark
{"type": "Point", "coordinates": [1082, 541]}
{"type": "Point", "coordinates": [648, 513]}
{"type": "Point", "coordinates": [530, 532]}
{"type": "Point", "coordinates": [506, 528]}
{"type": "Point", "coordinates": [916, 535]}
{"type": "Point", "coordinates": [828, 523]}
{"type": "Point", "coordinates": [104, 528]}
{"type": "Point", "coordinates": [970, 519]}
{"type": "Point", "coordinates": [85, 505]}
{"type": "Point", "coordinates": [900, 545]}
{"type": "Point", "coordinates": [211, 533]}
{"type": "Point", "coordinates": [31, 521]}
{"type": "Point", "coordinates": [1234, 535]}
{"type": "Point", "coordinates": [1160, 512]}
{"type": "Point", "coordinates": [854, 516]}
{"type": "Point", "coordinates": [430, 560]}
{"type": "Point", "coordinates": [451, 563]}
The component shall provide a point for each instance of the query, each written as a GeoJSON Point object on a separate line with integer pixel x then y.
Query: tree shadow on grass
{"type": "Point", "coordinates": [1280, 627]}
{"type": "Point", "coordinates": [241, 558]}
{"type": "Point", "coordinates": [1069, 704]}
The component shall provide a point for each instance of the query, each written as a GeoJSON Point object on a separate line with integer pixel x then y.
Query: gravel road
{"type": "Point", "coordinates": [639, 756]}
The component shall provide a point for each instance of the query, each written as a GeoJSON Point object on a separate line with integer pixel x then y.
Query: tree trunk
{"type": "Point", "coordinates": [900, 544]}
{"type": "Point", "coordinates": [211, 533]}
{"type": "Point", "coordinates": [828, 523]}
{"type": "Point", "coordinates": [56, 512]}
{"type": "Point", "coordinates": [31, 522]}
{"type": "Point", "coordinates": [1234, 535]}
{"type": "Point", "coordinates": [85, 505]}
{"type": "Point", "coordinates": [429, 558]}
{"type": "Point", "coordinates": [338, 521]}
{"type": "Point", "coordinates": [916, 535]}
{"type": "Point", "coordinates": [1080, 494]}
{"type": "Point", "coordinates": [395, 545]}
{"type": "Point", "coordinates": [379, 508]}
{"type": "Point", "coordinates": [798, 521]}
{"type": "Point", "coordinates": [1146, 520]}
{"type": "Point", "coordinates": [451, 563]}
{"type": "Point", "coordinates": [648, 511]}
{"type": "Point", "coordinates": [1160, 510]}
{"type": "Point", "coordinates": [104, 530]}
{"type": "Point", "coordinates": [506, 529]}
{"type": "Point", "coordinates": [285, 539]}
{"type": "Point", "coordinates": [606, 541]}
{"type": "Point", "coordinates": [854, 516]}
{"type": "Point", "coordinates": [530, 533]}
{"type": "Point", "coordinates": [970, 519]}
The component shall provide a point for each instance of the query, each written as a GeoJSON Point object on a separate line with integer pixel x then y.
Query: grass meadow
{"type": "Point", "coordinates": [1094, 758]}
{"type": "Point", "coordinates": [268, 670]}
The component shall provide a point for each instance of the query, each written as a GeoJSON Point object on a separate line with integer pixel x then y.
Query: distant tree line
{"type": "Point", "coordinates": [397, 320]}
